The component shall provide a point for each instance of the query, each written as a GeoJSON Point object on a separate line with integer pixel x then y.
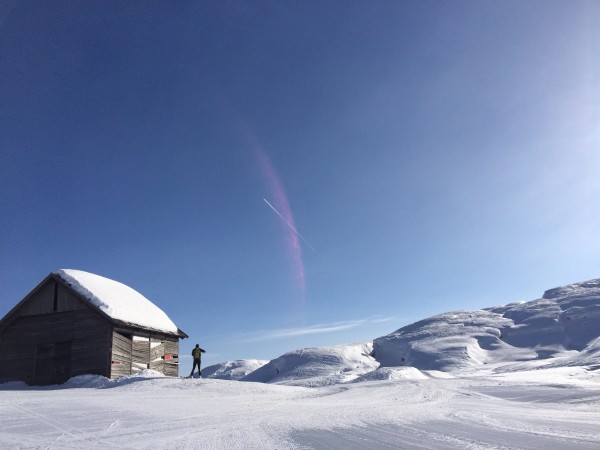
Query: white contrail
{"type": "Point", "coordinates": [289, 225]}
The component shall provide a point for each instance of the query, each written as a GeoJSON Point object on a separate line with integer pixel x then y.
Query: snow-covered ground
{"type": "Point", "coordinates": [549, 408]}
{"type": "Point", "coordinates": [524, 375]}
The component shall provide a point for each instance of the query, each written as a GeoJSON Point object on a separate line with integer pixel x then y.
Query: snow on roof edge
{"type": "Point", "coordinates": [118, 301]}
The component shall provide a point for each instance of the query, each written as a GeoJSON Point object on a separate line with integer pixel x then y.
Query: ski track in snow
{"type": "Point", "coordinates": [474, 412]}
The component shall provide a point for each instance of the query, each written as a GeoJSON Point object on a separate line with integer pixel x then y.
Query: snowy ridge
{"type": "Point", "coordinates": [233, 370]}
{"type": "Point", "coordinates": [317, 366]}
{"type": "Point", "coordinates": [562, 328]}
{"type": "Point", "coordinates": [584, 289]}
{"type": "Point", "coordinates": [117, 300]}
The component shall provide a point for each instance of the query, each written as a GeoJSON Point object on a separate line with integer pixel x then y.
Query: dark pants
{"type": "Point", "coordinates": [196, 363]}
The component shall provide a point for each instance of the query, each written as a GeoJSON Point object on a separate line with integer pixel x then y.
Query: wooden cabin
{"type": "Point", "coordinates": [76, 323]}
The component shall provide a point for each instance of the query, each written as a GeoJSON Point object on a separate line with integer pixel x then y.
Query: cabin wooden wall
{"type": "Point", "coordinates": [171, 357]}
{"type": "Point", "coordinates": [141, 353]}
{"type": "Point", "coordinates": [54, 335]}
{"type": "Point", "coordinates": [51, 297]}
{"type": "Point", "coordinates": [157, 355]}
{"type": "Point", "coordinates": [51, 348]}
{"type": "Point", "coordinates": [122, 347]}
{"type": "Point", "coordinates": [133, 353]}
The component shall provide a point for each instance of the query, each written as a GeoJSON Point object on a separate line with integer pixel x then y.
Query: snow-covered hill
{"type": "Point", "coordinates": [561, 328]}
{"type": "Point", "coordinates": [233, 370]}
{"type": "Point", "coordinates": [317, 366]}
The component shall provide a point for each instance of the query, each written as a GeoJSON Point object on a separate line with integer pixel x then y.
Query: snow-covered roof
{"type": "Point", "coordinates": [118, 301]}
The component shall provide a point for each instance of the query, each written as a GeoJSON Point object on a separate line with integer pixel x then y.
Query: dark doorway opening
{"type": "Point", "coordinates": [52, 363]}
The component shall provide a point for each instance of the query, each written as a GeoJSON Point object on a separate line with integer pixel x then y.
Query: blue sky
{"type": "Point", "coordinates": [433, 156]}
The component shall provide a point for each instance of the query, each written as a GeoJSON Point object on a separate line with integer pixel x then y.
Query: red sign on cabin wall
{"type": "Point", "coordinates": [168, 356]}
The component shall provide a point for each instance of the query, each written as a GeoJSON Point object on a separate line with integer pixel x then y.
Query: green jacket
{"type": "Point", "coordinates": [196, 352]}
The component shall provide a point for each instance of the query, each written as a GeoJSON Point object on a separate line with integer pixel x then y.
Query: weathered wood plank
{"type": "Point", "coordinates": [119, 338]}
{"type": "Point", "coordinates": [121, 348]}
{"type": "Point", "coordinates": [118, 356]}
{"type": "Point", "coordinates": [119, 370]}
{"type": "Point", "coordinates": [40, 329]}
{"type": "Point", "coordinates": [67, 300]}
{"type": "Point", "coordinates": [140, 355]}
{"type": "Point", "coordinates": [121, 344]}
{"type": "Point", "coordinates": [171, 370]}
{"type": "Point", "coordinates": [121, 358]}
{"type": "Point", "coordinates": [158, 365]}
{"type": "Point", "coordinates": [41, 302]}
{"type": "Point", "coordinates": [171, 346]}
{"type": "Point", "coordinates": [171, 367]}
{"type": "Point", "coordinates": [157, 352]}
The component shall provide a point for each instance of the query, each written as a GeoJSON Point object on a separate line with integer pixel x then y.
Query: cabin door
{"type": "Point", "coordinates": [52, 363]}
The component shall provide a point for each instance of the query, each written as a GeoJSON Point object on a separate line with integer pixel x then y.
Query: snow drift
{"type": "Point", "coordinates": [233, 370]}
{"type": "Point", "coordinates": [317, 366]}
{"type": "Point", "coordinates": [558, 330]}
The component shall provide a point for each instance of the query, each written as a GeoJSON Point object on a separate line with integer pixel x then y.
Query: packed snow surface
{"type": "Point", "coordinates": [540, 409]}
{"type": "Point", "coordinates": [118, 300]}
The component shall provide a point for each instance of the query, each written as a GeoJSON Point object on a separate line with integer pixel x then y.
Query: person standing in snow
{"type": "Point", "coordinates": [196, 354]}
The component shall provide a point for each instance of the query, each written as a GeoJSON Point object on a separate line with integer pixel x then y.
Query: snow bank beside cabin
{"type": "Point", "coordinates": [118, 301]}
